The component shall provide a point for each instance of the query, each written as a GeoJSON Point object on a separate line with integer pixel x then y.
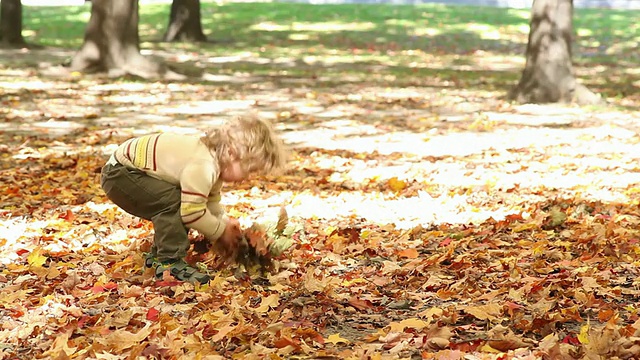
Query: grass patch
{"type": "Point", "coordinates": [482, 45]}
{"type": "Point", "coordinates": [348, 27]}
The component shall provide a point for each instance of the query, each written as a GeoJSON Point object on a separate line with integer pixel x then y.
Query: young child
{"type": "Point", "coordinates": [174, 181]}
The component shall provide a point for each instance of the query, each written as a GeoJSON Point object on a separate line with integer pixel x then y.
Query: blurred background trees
{"type": "Point", "coordinates": [184, 22]}
{"type": "Point", "coordinates": [548, 74]}
{"type": "Point", "coordinates": [11, 23]}
{"type": "Point", "coordinates": [112, 44]}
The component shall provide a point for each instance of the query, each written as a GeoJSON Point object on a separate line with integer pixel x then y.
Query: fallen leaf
{"type": "Point", "coordinates": [583, 336]}
{"type": "Point", "coordinates": [336, 339]}
{"type": "Point", "coordinates": [485, 312]}
{"type": "Point", "coordinates": [152, 314]}
{"type": "Point", "coordinates": [408, 253]}
{"type": "Point", "coordinates": [396, 185]}
{"type": "Point", "coordinates": [60, 347]}
{"type": "Point", "coordinates": [412, 323]}
{"type": "Point", "coordinates": [35, 258]}
{"type": "Point", "coordinates": [268, 303]}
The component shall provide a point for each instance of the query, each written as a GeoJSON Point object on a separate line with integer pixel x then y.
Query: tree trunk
{"type": "Point", "coordinates": [11, 23]}
{"type": "Point", "coordinates": [111, 42]}
{"type": "Point", "coordinates": [185, 22]}
{"type": "Point", "coordinates": [548, 74]}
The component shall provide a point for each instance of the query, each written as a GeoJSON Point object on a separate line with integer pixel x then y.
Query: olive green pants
{"type": "Point", "coordinates": [152, 199]}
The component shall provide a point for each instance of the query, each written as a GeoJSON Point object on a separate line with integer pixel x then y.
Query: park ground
{"type": "Point", "coordinates": [434, 219]}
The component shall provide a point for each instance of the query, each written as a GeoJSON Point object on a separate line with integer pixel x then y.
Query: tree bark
{"type": "Point", "coordinates": [112, 43]}
{"type": "Point", "coordinates": [11, 23]}
{"type": "Point", "coordinates": [185, 22]}
{"type": "Point", "coordinates": [548, 73]}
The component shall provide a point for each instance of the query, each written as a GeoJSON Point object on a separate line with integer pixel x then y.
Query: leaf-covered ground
{"type": "Point", "coordinates": [439, 221]}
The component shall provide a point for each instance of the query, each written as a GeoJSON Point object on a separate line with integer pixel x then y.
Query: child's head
{"type": "Point", "coordinates": [248, 142]}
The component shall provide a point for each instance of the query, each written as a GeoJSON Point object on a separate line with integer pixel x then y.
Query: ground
{"type": "Point", "coordinates": [432, 218]}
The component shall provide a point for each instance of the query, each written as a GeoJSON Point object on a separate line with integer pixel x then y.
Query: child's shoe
{"type": "Point", "coordinates": [179, 269]}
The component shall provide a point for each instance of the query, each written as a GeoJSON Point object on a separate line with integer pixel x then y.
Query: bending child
{"type": "Point", "coordinates": [174, 180]}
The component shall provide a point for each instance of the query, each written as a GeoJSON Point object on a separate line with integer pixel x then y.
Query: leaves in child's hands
{"type": "Point", "coordinates": [258, 239]}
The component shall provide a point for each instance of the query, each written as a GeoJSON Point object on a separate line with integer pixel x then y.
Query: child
{"type": "Point", "coordinates": [174, 181]}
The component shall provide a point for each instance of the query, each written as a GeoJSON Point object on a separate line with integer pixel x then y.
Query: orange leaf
{"type": "Point", "coordinates": [408, 253]}
{"type": "Point", "coordinates": [605, 314]}
{"type": "Point", "coordinates": [68, 215]}
{"type": "Point", "coordinates": [445, 242]}
{"type": "Point", "coordinates": [286, 341]}
{"type": "Point", "coordinates": [360, 304]}
{"type": "Point", "coordinates": [110, 285]}
{"type": "Point", "coordinates": [97, 289]}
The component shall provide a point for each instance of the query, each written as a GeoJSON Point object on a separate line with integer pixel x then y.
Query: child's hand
{"type": "Point", "coordinates": [229, 241]}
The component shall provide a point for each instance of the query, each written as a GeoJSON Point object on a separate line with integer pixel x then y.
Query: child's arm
{"type": "Point", "coordinates": [196, 182]}
{"type": "Point", "coordinates": [213, 202]}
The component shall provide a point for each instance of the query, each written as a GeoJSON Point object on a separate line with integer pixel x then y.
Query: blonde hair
{"type": "Point", "coordinates": [250, 140]}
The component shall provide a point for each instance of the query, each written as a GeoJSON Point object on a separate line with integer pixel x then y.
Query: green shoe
{"type": "Point", "coordinates": [180, 270]}
{"type": "Point", "coordinates": [150, 261]}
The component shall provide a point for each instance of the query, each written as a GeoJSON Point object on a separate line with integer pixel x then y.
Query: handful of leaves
{"type": "Point", "coordinates": [261, 242]}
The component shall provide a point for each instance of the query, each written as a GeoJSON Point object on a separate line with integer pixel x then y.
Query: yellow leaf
{"type": "Point", "coordinates": [36, 259]}
{"type": "Point", "coordinates": [347, 283]}
{"type": "Point", "coordinates": [583, 337]}
{"type": "Point", "coordinates": [277, 287]}
{"type": "Point", "coordinates": [412, 323]}
{"type": "Point", "coordinates": [269, 302]}
{"type": "Point", "coordinates": [431, 313]}
{"type": "Point", "coordinates": [336, 338]}
{"type": "Point", "coordinates": [235, 213]}
{"type": "Point", "coordinates": [397, 185]}
{"type": "Point", "coordinates": [329, 230]}
{"type": "Point", "coordinates": [525, 227]}
{"type": "Point", "coordinates": [485, 312]}
{"type": "Point", "coordinates": [489, 349]}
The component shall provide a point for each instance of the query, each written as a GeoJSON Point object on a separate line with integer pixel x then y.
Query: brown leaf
{"type": "Point", "coordinates": [283, 220]}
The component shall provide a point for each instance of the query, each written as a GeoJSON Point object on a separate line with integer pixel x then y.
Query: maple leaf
{"type": "Point", "coordinates": [412, 323]}
{"type": "Point", "coordinates": [583, 336]}
{"type": "Point", "coordinates": [36, 259]}
{"type": "Point", "coordinates": [268, 303]}
{"type": "Point", "coordinates": [153, 314]}
{"type": "Point", "coordinates": [408, 253]}
{"type": "Point", "coordinates": [121, 339]}
{"type": "Point", "coordinates": [337, 339]}
{"type": "Point", "coordinates": [60, 348]}
{"type": "Point", "coordinates": [485, 312]}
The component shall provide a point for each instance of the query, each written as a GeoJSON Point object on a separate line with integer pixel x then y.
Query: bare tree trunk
{"type": "Point", "coordinates": [112, 43]}
{"type": "Point", "coordinates": [11, 23]}
{"type": "Point", "coordinates": [185, 22]}
{"type": "Point", "coordinates": [548, 74]}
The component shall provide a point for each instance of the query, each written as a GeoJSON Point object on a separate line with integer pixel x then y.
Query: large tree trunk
{"type": "Point", "coordinates": [111, 42]}
{"type": "Point", "coordinates": [185, 22]}
{"type": "Point", "coordinates": [548, 74]}
{"type": "Point", "coordinates": [11, 23]}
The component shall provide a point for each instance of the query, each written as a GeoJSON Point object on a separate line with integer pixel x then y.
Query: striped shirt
{"type": "Point", "coordinates": [185, 161]}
